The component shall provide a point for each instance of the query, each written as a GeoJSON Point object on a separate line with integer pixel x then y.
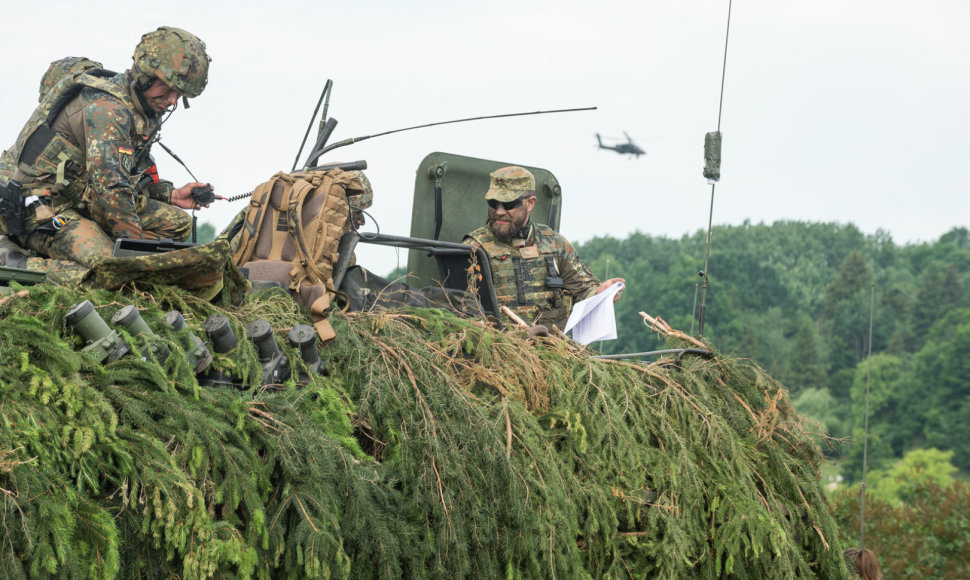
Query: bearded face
{"type": "Point", "coordinates": [507, 219]}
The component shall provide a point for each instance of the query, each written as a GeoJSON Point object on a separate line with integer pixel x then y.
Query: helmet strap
{"type": "Point", "coordinates": [140, 93]}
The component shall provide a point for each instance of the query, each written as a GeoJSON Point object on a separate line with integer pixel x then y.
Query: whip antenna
{"type": "Point", "coordinates": [865, 438]}
{"type": "Point", "coordinates": [324, 93]}
{"type": "Point", "coordinates": [712, 171]}
{"type": "Point", "coordinates": [356, 139]}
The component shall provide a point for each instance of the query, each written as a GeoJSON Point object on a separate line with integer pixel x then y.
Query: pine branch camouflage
{"type": "Point", "coordinates": [435, 448]}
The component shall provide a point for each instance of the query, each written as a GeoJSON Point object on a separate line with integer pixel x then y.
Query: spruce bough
{"type": "Point", "coordinates": [435, 447]}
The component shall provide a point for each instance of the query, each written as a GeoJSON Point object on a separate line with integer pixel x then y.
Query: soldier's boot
{"type": "Point", "coordinates": [11, 255]}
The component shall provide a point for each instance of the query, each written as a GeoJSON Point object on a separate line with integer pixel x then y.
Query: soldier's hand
{"type": "Point", "coordinates": [182, 197]}
{"type": "Point", "coordinates": [607, 284]}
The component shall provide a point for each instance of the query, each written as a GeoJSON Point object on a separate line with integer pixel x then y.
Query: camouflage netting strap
{"type": "Point", "coordinates": [199, 269]}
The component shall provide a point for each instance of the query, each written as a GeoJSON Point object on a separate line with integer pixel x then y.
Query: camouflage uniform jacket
{"type": "Point", "coordinates": [538, 276]}
{"type": "Point", "coordinates": [101, 132]}
{"type": "Point", "coordinates": [7, 167]}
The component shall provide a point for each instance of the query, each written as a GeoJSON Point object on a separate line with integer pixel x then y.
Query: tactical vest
{"type": "Point", "coordinates": [531, 287]}
{"type": "Point", "coordinates": [49, 163]}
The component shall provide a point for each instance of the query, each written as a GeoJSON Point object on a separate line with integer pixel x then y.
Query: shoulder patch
{"type": "Point", "coordinates": [127, 159]}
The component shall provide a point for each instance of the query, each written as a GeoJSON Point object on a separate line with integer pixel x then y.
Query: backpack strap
{"type": "Point", "coordinates": [334, 214]}
{"type": "Point", "coordinates": [293, 189]}
{"type": "Point", "coordinates": [251, 222]}
{"type": "Point", "coordinates": [305, 267]}
{"type": "Point", "coordinates": [313, 264]}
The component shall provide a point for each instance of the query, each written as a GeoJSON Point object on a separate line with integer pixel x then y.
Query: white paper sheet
{"type": "Point", "coordinates": [593, 318]}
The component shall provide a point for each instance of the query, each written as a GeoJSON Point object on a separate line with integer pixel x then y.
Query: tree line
{"type": "Point", "coordinates": [796, 298]}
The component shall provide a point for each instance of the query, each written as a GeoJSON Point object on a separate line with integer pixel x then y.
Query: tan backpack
{"type": "Point", "coordinates": [290, 235]}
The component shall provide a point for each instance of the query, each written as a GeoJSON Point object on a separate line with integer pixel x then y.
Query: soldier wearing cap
{"type": "Point", "coordinates": [536, 271]}
{"type": "Point", "coordinates": [83, 158]}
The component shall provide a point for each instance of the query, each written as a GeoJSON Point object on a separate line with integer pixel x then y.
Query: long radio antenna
{"type": "Point", "coordinates": [712, 170]}
{"type": "Point", "coordinates": [865, 439]}
{"type": "Point", "coordinates": [353, 140]}
{"type": "Point", "coordinates": [324, 93]}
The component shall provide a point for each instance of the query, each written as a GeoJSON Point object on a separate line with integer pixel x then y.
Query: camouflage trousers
{"type": "Point", "coordinates": [83, 241]}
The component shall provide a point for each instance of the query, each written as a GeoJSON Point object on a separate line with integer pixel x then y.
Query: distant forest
{"type": "Point", "coordinates": [795, 298]}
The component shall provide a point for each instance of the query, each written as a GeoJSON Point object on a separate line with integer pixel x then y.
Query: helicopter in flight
{"type": "Point", "coordinates": [628, 148]}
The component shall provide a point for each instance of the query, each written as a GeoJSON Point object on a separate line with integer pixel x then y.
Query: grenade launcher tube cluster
{"type": "Point", "coordinates": [107, 345]}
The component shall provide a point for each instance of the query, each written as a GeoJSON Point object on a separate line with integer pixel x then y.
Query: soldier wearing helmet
{"type": "Point", "coordinates": [83, 158]}
{"type": "Point", "coordinates": [536, 271]}
{"type": "Point", "coordinates": [360, 196]}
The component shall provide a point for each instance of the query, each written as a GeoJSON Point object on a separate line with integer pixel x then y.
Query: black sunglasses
{"type": "Point", "coordinates": [506, 205]}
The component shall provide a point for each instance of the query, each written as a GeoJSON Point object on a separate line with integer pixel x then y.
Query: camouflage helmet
{"type": "Point", "coordinates": [60, 69]}
{"type": "Point", "coordinates": [360, 194]}
{"type": "Point", "coordinates": [510, 183]}
{"type": "Point", "coordinates": [175, 56]}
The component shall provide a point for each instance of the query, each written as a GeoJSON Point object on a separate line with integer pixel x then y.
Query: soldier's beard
{"type": "Point", "coordinates": [505, 232]}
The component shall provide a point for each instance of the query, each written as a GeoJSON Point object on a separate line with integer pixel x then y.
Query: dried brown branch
{"type": "Point", "coordinates": [508, 430]}
{"type": "Point", "coordinates": [20, 294]}
{"type": "Point", "coordinates": [660, 326]}
{"type": "Point", "coordinates": [513, 316]}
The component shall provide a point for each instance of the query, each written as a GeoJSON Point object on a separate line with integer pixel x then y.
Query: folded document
{"type": "Point", "coordinates": [593, 318]}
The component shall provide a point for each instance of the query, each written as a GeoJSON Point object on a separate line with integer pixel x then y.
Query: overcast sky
{"type": "Point", "coordinates": [834, 110]}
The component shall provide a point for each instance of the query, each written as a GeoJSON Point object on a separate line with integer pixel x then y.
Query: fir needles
{"type": "Point", "coordinates": [436, 448]}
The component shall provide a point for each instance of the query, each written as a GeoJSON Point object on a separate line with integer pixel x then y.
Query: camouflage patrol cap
{"type": "Point", "coordinates": [511, 183]}
{"type": "Point", "coordinates": [60, 69]}
{"type": "Point", "coordinates": [360, 194]}
{"type": "Point", "coordinates": [175, 56]}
